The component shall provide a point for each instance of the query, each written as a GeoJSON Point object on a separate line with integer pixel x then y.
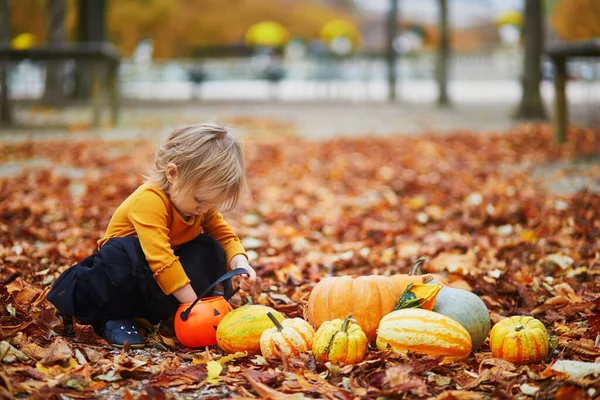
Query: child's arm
{"type": "Point", "coordinates": [215, 225]}
{"type": "Point", "coordinates": [149, 217]}
{"type": "Point", "coordinates": [186, 294]}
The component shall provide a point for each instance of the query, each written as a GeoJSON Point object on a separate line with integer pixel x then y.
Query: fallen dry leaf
{"type": "Point", "coordinates": [59, 352]}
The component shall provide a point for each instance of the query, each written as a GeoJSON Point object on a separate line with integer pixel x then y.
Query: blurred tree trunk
{"type": "Point", "coordinates": [55, 72]}
{"type": "Point", "coordinates": [532, 106]}
{"type": "Point", "coordinates": [346, 5]}
{"type": "Point", "coordinates": [5, 109]}
{"type": "Point", "coordinates": [91, 16]}
{"type": "Point", "coordinates": [443, 55]}
{"type": "Point", "coordinates": [392, 30]}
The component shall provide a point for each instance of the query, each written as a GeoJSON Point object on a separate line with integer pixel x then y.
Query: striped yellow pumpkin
{"type": "Point", "coordinates": [288, 338]}
{"type": "Point", "coordinates": [519, 339]}
{"type": "Point", "coordinates": [423, 331]}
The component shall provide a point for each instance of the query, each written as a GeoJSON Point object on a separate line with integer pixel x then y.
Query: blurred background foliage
{"type": "Point", "coordinates": [178, 27]}
{"type": "Point", "coordinates": [576, 19]}
{"type": "Point", "coordinates": [184, 49]}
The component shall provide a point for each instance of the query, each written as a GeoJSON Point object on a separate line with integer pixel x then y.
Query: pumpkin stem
{"type": "Point", "coordinates": [346, 323]}
{"type": "Point", "coordinates": [275, 322]}
{"type": "Point", "coordinates": [416, 267]}
{"type": "Point", "coordinates": [519, 328]}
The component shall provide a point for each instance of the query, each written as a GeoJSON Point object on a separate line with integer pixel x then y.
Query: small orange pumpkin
{"type": "Point", "coordinates": [519, 340]}
{"type": "Point", "coordinates": [289, 337]}
{"type": "Point", "coordinates": [414, 276]}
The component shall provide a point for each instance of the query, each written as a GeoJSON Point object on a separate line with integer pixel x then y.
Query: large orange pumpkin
{"type": "Point", "coordinates": [414, 276]}
{"type": "Point", "coordinates": [519, 339]}
{"type": "Point", "coordinates": [367, 298]}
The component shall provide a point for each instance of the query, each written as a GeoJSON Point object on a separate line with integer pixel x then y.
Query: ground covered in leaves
{"type": "Point", "coordinates": [368, 205]}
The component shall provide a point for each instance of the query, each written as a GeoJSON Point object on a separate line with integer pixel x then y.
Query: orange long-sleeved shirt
{"type": "Point", "coordinates": [148, 214]}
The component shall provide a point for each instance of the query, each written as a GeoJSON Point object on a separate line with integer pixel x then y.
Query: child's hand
{"type": "Point", "coordinates": [248, 280]}
{"type": "Point", "coordinates": [240, 261]}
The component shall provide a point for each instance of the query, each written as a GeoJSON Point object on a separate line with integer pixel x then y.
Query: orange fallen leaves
{"type": "Point", "coordinates": [342, 206]}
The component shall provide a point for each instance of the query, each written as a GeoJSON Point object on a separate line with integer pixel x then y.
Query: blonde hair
{"type": "Point", "coordinates": [206, 154]}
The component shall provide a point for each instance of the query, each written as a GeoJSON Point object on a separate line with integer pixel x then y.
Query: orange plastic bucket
{"type": "Point", "coordinates": [196, 323]}
{"type": "Point", "coordinates": [200, 328]}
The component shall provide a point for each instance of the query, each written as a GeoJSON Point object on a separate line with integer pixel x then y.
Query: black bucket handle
{"type": "Point", "coordinates": [238, 271]}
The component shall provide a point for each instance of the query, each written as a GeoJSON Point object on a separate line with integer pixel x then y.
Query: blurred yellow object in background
{"type": "Point", "coordinates": [510, 17]}
{"type": "Point", "coordinates": [267, 33]}
{"type": "Point", "coordinates": [23, 41]}
{"type": "Point", "coordinates": [336, 28]}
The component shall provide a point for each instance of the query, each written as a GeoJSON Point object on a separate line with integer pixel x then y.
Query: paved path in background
{"type": "Point", "coordinates": [315, 121]}
{"type": "Point", "coordinates": [308, 120]}
{"type": "Point", "coordinates": [324, 120]}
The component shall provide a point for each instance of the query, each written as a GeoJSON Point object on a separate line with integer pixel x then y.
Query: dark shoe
{"type": "Point", "coordinates": [117, 331]}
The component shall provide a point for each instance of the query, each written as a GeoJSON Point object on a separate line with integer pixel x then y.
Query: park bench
{"type": "Point", "coordinates": [102, 56]}
{"type": "Point", "coordinates": [559, 54]}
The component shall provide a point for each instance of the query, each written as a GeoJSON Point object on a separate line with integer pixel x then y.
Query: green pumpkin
{"type": "Point", "coordinates": [240, 329]}
{"type": "Point", "coordinates": [465, 308]}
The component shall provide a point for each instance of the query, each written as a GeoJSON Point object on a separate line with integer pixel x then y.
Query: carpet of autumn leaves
{"type": "Point", "coordinates": [368, 205]}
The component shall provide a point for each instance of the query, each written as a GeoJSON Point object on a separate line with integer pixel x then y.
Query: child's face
{"type": "Point", "coordinates": [193, 203]}
{"type": "Point", "coordinates": [189, 203]}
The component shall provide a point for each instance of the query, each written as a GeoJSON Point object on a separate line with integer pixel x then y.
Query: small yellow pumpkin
{"type": "Point", "coordinates": [419, 295]}
{"type": "Point", "coordinates": [519, 340]}
{"type": "Point", "coordinates": [340, 342]}
{"type": "Point", "coordinates": [288, 338]}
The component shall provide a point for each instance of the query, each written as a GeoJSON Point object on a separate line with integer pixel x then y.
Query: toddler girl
{"type": "Point", "coordinates": [166, 242]}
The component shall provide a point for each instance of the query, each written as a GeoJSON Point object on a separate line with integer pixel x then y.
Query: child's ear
{"type": "Point", "coordinates": [171, 173]}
